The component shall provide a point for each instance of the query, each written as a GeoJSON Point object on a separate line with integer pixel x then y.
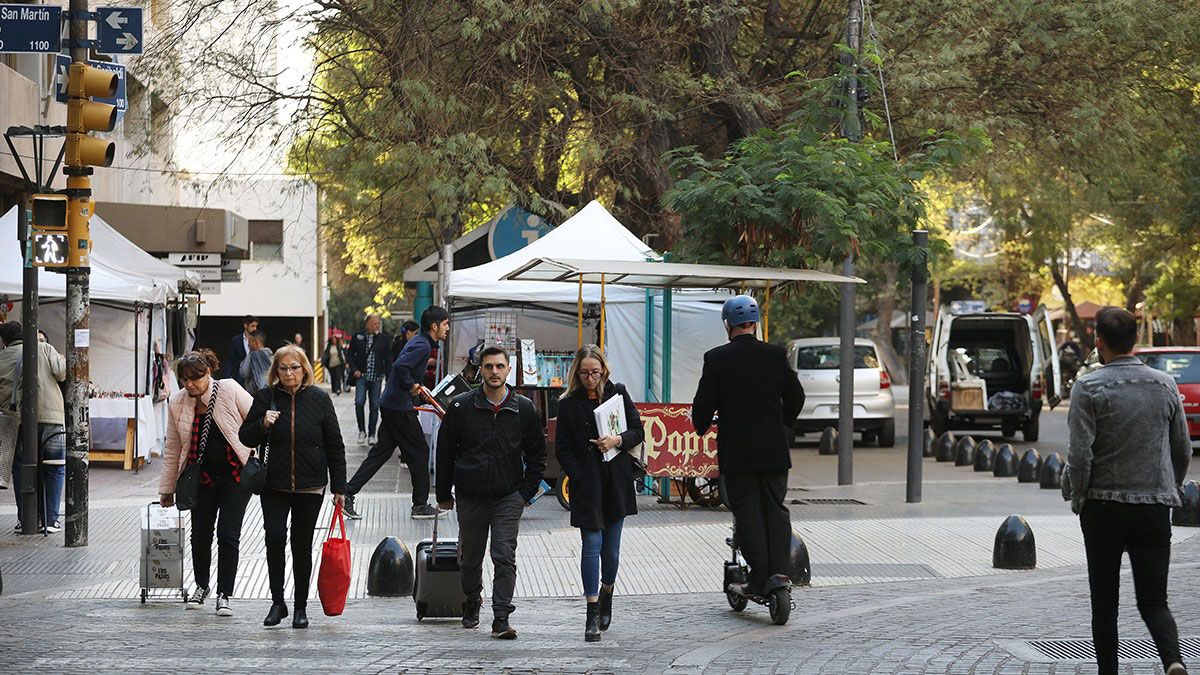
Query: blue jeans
{"type": "Point", "coordinates": [364, 390]}
{"type": "Point", "coordinates": [601, 549]}
{"type": "Point", "coordinates": [54, 472]}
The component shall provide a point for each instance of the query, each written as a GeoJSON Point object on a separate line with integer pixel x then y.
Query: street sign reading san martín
{"type": "Point", "coordinates": [30, 29]}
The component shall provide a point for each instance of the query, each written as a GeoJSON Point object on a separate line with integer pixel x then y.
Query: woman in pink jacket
{"type": "Point", "coordinates": [202, 428]}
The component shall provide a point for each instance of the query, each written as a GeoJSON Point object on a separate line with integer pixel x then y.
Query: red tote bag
{"type": "Point", "coordinates": [333, 579]}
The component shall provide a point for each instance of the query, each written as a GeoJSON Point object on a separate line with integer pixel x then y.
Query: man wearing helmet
{"type": "Point", "coordinates": [758, 397]}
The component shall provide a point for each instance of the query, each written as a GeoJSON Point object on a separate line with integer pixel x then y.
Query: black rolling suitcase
{"type": "Point", "coordinates": [438, 577]}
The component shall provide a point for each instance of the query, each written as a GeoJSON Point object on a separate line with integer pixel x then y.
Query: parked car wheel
{"type": "Point", "coordinates": [887, 434]}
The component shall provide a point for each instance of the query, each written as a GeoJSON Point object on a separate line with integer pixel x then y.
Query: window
{"type": "Point", "coordinates": [266, 240]}
{"type": "Point", "coordinates": [1183, 366]}
{"type": "Point", "coordinates": [825, 357]}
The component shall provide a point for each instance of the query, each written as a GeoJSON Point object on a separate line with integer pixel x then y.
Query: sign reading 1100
{"type": "Point", "coordinates": [30, 29]}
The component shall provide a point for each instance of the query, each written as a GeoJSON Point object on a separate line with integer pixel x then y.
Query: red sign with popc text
{"type": "Point", "coordinates": [672, 447]}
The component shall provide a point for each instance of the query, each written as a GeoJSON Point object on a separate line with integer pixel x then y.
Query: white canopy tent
{"type": "Point", "coordinates": [547, 310]}
{"type": "Point", "coordinates": [129, 291]}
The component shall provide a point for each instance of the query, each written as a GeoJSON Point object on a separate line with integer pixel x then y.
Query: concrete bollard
{"type": "Point", "coordinates": [1187, 514]}
{"type": "Point", "coordinates": [1050, 475]}
{"type": "Point", "coordinates": [964, 452]}
{"type": "Point", "coordinates": [930, 439]}
{"type": "Point", "coordinates": [944, 447]}
{"type": "Point", "coordinates": [390, 574]}
{"type": "Point", "coordinates": [1027, 470]}
{"type": "Point", "coordinates": [799, 567]}
{"type": "Point", "coordinates": [985, 456]}
{"type": "Point", "coordinates": [1005, 463]}
{"type": "Point", "coordinates": [828, 444]}
{"type": "Point", "coordinates": [1014, 548]}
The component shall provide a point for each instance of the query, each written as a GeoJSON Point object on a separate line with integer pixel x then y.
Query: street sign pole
{"type": "Point", "coordinates": [29, 381]}
{"type": "Point", "coordinates": [78, 329]}
{"type": "Point", "coordinates": [916, 369]}
{"type": "Point", "coordinates": [852, 130]}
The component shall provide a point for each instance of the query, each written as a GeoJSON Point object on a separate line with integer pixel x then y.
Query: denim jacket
{"type": "Point", "coordinates": [1129, 437]}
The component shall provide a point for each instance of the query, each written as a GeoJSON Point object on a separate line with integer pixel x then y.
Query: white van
{"type": "Point", "coordinates": [992, 370]}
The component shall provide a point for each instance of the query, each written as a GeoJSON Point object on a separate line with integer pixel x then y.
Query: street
{"type": "Point", "coordinates": [896, 588]}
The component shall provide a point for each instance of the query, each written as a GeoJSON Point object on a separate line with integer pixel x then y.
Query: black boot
{"type": "Point", "coordinates": [278, 613]}
{"type": "Point", "coordinates": [300, 619]}
{"type": "Point", "coordinates": [591, 632]}
{"type": "Point", "coordinates": [605, 603]}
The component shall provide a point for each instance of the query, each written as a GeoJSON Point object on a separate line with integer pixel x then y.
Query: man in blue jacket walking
{"type": "Point", "coordinates": [399, 426]}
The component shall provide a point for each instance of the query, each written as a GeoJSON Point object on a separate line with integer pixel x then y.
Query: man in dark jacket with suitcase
{"type": "Point", "coordinates": [492, 452]}
{"type": "Point", "coordinates": [758, 397]}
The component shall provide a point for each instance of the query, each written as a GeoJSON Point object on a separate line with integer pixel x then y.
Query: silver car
{"type": "Point", "coordinates": [816, 361]}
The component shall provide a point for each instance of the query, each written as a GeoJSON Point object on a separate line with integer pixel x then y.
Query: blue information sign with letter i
{"type": "Point", "coordinates": [30, 29]}
{"type": "Point", "coordinates": [119, 30]}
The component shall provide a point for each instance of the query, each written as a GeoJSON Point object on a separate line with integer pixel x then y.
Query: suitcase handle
{"type": "Point", "coordinates": [435, 526]}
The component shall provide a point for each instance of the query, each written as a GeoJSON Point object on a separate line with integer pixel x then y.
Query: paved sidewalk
{"type": "Point", "coordinates": [897, 588]}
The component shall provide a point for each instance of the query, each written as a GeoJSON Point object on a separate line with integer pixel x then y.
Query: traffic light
{"type": "Point", "coordinates": [49, 241]}
{"type": "Point", "coordinates": [84, 115]}
{"type": "Point", "coordinates": [49, 213]}
{"type": "Point", "coordinates": [79, 212]}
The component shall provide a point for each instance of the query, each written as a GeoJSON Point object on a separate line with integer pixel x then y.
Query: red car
{"type": "Point", "coordinates": [1183, 364]}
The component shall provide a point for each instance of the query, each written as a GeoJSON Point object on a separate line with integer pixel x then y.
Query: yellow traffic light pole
{"type": "Point", "coordinates": [82, 153]}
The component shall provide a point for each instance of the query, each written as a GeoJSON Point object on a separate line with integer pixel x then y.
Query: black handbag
{"type": "Point", "coordinates": [253, 478]}
{"type": "Point", "coordinates": [187, 488]}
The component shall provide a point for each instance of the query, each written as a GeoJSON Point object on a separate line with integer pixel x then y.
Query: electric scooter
{"type": "Point", "coordinates": [777, 595]}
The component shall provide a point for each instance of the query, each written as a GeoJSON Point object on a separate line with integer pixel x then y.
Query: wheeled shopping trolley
{"type": "Point", "coordinates": [162, 553]}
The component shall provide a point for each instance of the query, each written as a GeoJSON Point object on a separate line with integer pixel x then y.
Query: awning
{"type": "Point", "coordinates": [668, 275]}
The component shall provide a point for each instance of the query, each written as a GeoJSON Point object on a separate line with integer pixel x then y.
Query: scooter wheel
{"type": "Point", "coordinates": [780, 604]}
{"type": "Point", "coordinates": [736, 602]}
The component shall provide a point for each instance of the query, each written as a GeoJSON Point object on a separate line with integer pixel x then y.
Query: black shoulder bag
{"type": "Point", "coordinates": [187, 488]}
{"type": "Point", "coordinates": [253, 478]}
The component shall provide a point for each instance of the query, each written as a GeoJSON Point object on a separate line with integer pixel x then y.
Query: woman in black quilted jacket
{"type": "Point", "coordinates": [305, 453]}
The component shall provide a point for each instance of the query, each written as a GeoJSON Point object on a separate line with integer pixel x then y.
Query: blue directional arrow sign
{"type": "Point", "coordinates": [29, 29]}
{"type": "Point", "coordinates": [63, 63]}
{"type": "Point", "coordinates": [119, 30]}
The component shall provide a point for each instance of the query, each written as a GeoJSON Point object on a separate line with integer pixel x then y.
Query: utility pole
{"type": "Point", "coordinates": [30, 438]}
{"type": "Point", "coordinates": [852, 130]}
{"type": "Point", "coordinates": [83, 151]}
{"type": "Point", "coordinates": [916, 369]}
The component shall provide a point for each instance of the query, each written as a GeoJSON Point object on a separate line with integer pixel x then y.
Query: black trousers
{"type": "Point", "coordinates": [220, 507]}
{"type": "Point", "coordinates": [304, 509]}
{"type": "Point", "coordinates": [335, 378]}
{"type": "Point", "coordinates": [501, 517]}
{"type": "Point", "coordinates": [397, 430]}
{"type": "Point", "coordinates": [762, 523]}
{"type": "Point", "coordinates": [1144, 530]}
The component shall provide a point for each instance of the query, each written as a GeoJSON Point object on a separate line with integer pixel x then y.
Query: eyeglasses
{"type": "Point", "coordinates": [591, 373]}
{"type": "Point", "coordinates": [288, 369]}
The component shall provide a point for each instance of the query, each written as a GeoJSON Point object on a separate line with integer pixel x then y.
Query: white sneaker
{"type": "Point", "coordinates": [362, 437]}
{"type": "Point", "coordinates": [372, 440]}
{"type": "Point", "coordinates": [223, 608]}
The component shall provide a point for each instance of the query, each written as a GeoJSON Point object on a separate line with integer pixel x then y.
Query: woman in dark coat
{"type": "Point", "coordinates": [601, 492]}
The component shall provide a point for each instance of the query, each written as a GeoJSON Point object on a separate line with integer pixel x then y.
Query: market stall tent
{"type": "Point", "coordinates": [548, 309]}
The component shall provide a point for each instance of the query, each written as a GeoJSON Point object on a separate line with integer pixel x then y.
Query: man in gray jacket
{"type": "Point", "coordinates": [1129, 452]}
{"type": "Point", "coordinates": [52, 369]}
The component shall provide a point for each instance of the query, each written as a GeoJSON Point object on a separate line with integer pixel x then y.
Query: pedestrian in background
{"type": "Point", "coordinates": [758, 396]}
{"type": "Point", "coordinates": [239, 349]}
{"type": "Point", "coordinates": [401, 428]}
{"type": "Point", "coordinates": [369, 352]}
{"type": "Point", "coordinates": [408, 330]}
{"type": "Point", "coordinates": [298, 340]}
{"type": "Point", "coordinates": [334, 358]}
{"type": "Point", "coordinates": [601, 491]}
{"type": "Point", "coordinates": [257, 363]}
{"type": "Point", "coordinates": [52, 443]}
{"type": "Point", "coordinates": [1129, 453]}
{"type": "Point", "coordinates": [203, 423]}
{"type": "Point", "coordinates": [491, 456]}
{"type": "Point", "coordinates": [305, 454]}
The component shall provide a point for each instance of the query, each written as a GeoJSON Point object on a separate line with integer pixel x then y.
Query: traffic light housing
{"type": "Point", "coordinates": [49, 213]}
{"type": "Point", "coordinates": [85, 115]}
{"type": "Point", "coordinates": [79, 212]}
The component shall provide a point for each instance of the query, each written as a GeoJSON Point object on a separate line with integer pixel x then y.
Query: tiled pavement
{"type": "Point", "coordinates": [896, 589]}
